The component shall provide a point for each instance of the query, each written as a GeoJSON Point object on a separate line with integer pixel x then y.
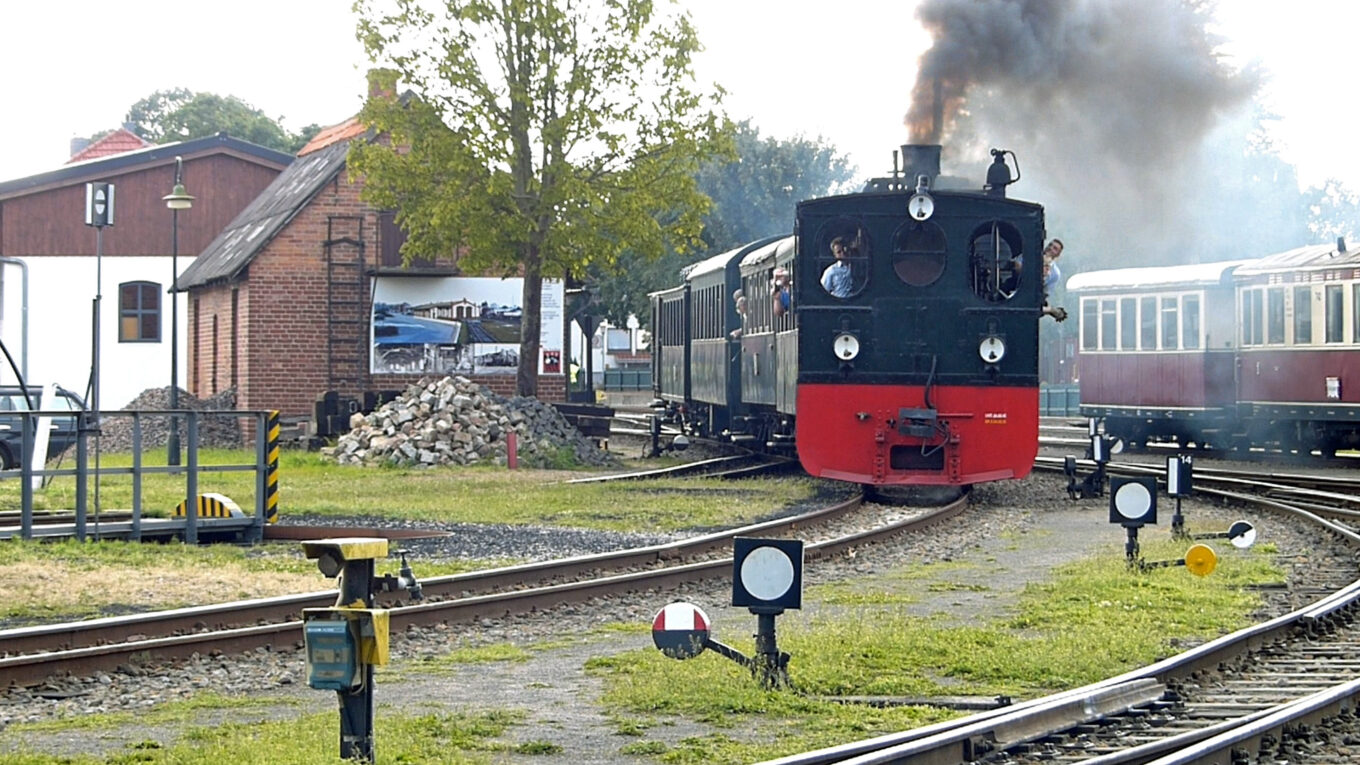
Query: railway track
{"type": "Point", "coordinates": [1246, 697]}
{"type": "Point", "coordinates": [30, 655]}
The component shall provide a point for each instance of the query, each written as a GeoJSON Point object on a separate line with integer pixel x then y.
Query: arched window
{"type": "Point", "coordinates": [139, 312]}
{"type": "Point", "coordinates": [841, 254]}
{"type": "Point", "coordinates": [997, 257]}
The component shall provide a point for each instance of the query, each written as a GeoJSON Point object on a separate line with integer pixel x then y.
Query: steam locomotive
{"type": "Point", "coordinates": [892, 340]}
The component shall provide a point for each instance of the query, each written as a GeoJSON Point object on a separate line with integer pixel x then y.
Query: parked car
{"type": "Point", "coordinates": [62, 431]}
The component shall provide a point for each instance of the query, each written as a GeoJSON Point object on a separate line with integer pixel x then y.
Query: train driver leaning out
{"type": "Point", "coordinates": [836, 279]}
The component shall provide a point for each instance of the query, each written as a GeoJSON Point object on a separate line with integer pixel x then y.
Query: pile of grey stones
{"type": "Point", "coordinates": [220, 431]}
{"type": "Point", "coordinates": [454, 421]}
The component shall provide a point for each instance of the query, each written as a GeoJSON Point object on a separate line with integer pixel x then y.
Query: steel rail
{"type": "Point", "coordinates": [33, 668]}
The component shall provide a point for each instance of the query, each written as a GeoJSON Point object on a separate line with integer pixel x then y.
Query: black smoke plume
{"type": "Point", "coordinates": [1107, 103]}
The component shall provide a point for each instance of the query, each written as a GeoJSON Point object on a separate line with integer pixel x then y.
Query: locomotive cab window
{"type": "Point", "coordinates": [919, 253]}
{"type": "Point", "coordinates": [996, 258]}
{"type": "Point", "coordinates": [843, 251]}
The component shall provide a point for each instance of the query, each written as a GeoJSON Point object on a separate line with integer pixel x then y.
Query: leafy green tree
{"type": "Point", "coordinates": [542, 136]}
{"type": "Point", "coordinates": [180, 114]}
{"type": "Point", "coordinates": [754, 196]}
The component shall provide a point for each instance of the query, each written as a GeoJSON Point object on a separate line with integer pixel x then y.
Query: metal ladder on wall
{"type": "Point", "coordinates": [346, 304]}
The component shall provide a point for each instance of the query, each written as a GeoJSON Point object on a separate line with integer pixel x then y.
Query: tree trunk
{"type": "Point", "coordinates": [531, 328]}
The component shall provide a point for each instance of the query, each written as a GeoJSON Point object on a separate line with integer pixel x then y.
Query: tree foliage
{"type": "Point", "coordinates": [754, 196]}
{"type": "Point", "coordinates": [542, 136]}
{"type": "Point", "coordinates": [180, 114]}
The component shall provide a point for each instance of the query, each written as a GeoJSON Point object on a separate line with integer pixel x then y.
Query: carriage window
{"type": "Point", "coordinates": [1275, 315]}
{"type": "Point", "coordinates": [919, 253]}
{"type": "Point", "coordinates": [1128, 324]}
{"type": "Point", "coordinates": [1355, 313]}
{"type": "Point", "coordinates": [1089, 327]}
{"type": "Point", "coordinates": [1148, 319]}
{"type": "Point", "coordinates": [1251, 317]}
{"type": "Point", "coordinates": [842, 253]}
{"type": "Point", "coordinates": [1303, 315]}
{"type": "Point", "coordinates": [139, 312]}
{"type": "Point", "coordinates": [1190, 321]}
{"type": "Point", "coordinates": [996, 258]}
{"type": "Point", "coordinates": [1334, 318]}
{"type": "Point", "coordinates": [1170, 327]}
{"type": "Point", "coordinates": [1107, 325]}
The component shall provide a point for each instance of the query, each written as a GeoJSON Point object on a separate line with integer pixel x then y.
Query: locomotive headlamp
{"type": "Point", "coordinates": [845, 346]}
{"type": "Point", "coordinates": [992, 349]}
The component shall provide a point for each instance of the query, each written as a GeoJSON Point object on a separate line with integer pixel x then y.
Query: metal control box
{"type": "Point", "coordinates": [332, 655]}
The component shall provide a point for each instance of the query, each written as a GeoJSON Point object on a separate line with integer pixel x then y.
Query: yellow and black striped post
{"type": "Point", "coordinates": [271, 478]}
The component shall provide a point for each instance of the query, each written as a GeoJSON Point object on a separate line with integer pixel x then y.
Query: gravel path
{"type": "Point", "coordinates": [1014, 534]}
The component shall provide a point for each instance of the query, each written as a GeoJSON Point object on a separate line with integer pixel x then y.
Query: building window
{"type": "Point", "coordinates": [139, 312]}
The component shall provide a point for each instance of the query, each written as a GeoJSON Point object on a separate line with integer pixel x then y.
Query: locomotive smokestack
{"type": "Point", "coordinates": [920, 159]}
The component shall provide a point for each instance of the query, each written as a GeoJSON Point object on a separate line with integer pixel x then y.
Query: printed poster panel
{"type": "Point", "coordinates": [459, 325]}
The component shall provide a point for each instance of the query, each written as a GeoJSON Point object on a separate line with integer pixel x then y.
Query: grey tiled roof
{"type": "Point", "coordinates": [265, 217]}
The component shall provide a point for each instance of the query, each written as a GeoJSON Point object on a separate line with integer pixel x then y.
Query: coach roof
{"type": "Point", "coordinates": [1312, 257]}
{"type": "Point", "coordinates": [1155, 277]}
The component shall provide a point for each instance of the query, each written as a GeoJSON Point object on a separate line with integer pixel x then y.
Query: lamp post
{"type": "Point", "coordinates": [178, 199]}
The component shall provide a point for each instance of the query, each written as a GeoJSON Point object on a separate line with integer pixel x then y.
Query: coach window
{"type": "Point", "coordinates": [1303, 315]}
{"type": "Point", "coordinates": [1170, 327]}
{"type": "Point", "coordinates": [1190, 322]}
{"type": "Point", "coordinates": [1148, 323]}
{"type": "Point", "coordinates": [1128, 324]}
{"type": "Point", "coordinates": [1089, 327]}
{"type": "Point", "coordinates": [1355, 313]}
{"type": "Point", "coordinates": [1334, 299]}
{"type": "Point", "coordinates": [1251, 317]}
{"type": "Point", "coordinates": [139, 312]}
{"type": "Point", "coordinates": [1275, 315]}
{"type": "Point", "coordinates": [1108, 316]}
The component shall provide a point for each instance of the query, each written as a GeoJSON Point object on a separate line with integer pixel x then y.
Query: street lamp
{"type": "Point", "coordinates": [178, 199]}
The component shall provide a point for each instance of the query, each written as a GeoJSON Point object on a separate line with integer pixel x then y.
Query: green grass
{"type": "Point", "coordinates": [1093, 620]}
{"type": "Point", "coordinates": [308, 483]}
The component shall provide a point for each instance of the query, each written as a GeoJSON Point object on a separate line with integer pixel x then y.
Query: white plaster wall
{"type": "Point", "coordinates": [61, 292]}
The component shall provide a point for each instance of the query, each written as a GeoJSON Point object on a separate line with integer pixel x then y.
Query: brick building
{"type": "Point", "coordinates": [281, 302]}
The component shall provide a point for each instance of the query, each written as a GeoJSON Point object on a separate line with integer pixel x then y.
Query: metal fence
{"type": "Point", "coordinates": [265, 468]}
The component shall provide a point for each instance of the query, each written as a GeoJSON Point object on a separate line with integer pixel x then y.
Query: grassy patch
{"type": "Point", "coordinates": [432, 737]}
{"type": "Point", "coordinates": [485, 494]}
{"type": "Point", "coordinates": [1093, 620]}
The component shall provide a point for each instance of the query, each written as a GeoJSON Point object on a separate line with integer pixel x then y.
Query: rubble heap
{"type": "Point", "coordinates": [223, 432]}
{"type": "Point", "coordinates": [454, 421]}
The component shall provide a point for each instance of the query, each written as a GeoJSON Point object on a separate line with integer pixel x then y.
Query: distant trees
{"type": "Point", "coordinates": [754, 195]}
{"type": "Point", "coordinates": [180, 114]}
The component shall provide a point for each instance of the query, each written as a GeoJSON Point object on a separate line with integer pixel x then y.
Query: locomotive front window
{"type": "Point", "coordinates": [996, 258]}
{"type": "Point", "coordinates": [841, 254]}
{"type": "Point", "coordinates": [919, 253]}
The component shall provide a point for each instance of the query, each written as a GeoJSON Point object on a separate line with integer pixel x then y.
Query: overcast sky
{"type": "Point", "coordinates": [73, 68]}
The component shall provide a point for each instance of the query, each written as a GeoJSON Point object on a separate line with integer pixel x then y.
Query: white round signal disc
{"type": "Point", "coordinates": [1201, 560]}
{"type": "Point", "coordinates": [1132, 501]}
{"type": "Point", "coordinates": [846, 346]}
{"type": "Point", "coordinates": [767, 573]}
{"type": "Point", "coordinates": [992, 349]}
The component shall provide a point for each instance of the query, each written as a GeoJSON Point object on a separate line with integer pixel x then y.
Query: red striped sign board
{"type": "Point", "coordinates": [680, 630]}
